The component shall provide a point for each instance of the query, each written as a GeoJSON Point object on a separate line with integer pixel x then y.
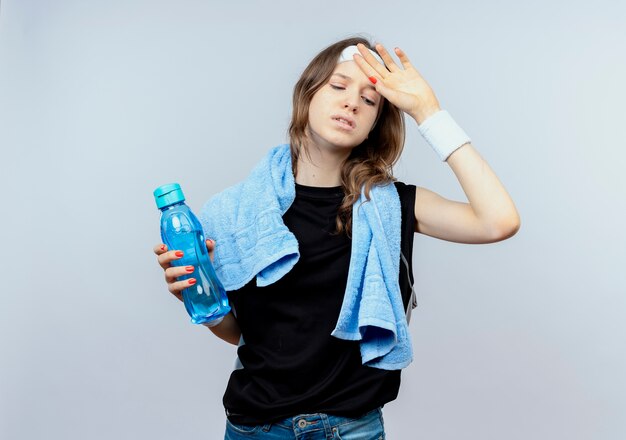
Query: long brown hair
{"type": "Point", "coordinates": [370, 163]}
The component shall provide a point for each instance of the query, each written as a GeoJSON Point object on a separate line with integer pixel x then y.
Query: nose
{"type": "Point", "coordinates": [351, 102]}
{"type": "Point", "coordinates": [351, 105]}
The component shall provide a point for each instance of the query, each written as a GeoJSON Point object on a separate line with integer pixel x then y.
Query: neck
{"type": "Point", "coordinates": [321, 169]}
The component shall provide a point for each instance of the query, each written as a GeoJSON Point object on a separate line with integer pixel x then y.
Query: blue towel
{"type": "Point", "coordinates": [251, 238]}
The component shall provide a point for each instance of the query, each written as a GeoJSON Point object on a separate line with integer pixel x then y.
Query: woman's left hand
{"type": "Point", "coordinates": [403, 87]}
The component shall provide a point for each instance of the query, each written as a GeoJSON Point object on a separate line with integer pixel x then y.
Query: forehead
{"type": "Point", "coordinates": [350, 71]}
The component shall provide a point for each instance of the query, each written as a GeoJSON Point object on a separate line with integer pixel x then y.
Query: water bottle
{"type": "Point", "coordinates": [206, 301]}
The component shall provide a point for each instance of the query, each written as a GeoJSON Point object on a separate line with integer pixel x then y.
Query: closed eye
{"type": "Point", "coordinates": [367, 101]}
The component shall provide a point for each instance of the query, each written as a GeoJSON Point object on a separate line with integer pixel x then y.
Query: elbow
{"type": "Point", "coordinates": [233, 339]}
{"type": "Point", "coordinates": [505, 227]}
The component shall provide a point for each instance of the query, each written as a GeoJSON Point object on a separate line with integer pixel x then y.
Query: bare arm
{"type": "Point", "coordinates": [227, 330]}
{"type": "Point", "coordinates": [489, 216]}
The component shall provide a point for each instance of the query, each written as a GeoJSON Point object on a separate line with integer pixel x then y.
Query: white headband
{"type": "Point", "coordinates": [347, 53]}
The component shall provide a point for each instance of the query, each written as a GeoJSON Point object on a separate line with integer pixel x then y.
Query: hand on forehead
{"type": "Point", "coordinates": [348, 52]}
{"type": "Point", "coordinates": [350, 71]}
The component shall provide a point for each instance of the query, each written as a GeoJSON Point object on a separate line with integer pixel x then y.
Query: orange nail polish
{"type": "Point", "coordinates": [179, 253]}
{"type": "Point", "coordinates": [192, 281]}
{"type": "Point", "coordinates": [189, 268]}
{"type": "Point", "coordinates": [372, 79]}
{"type": "Point", "coordinates": [162, 247]}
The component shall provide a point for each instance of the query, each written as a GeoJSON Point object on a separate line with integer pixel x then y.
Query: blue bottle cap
{"type": "Point", "coordinates": [166, 195]}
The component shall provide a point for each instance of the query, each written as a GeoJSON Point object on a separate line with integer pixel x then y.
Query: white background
{"type": "Point", "coordinates": [103, 101]}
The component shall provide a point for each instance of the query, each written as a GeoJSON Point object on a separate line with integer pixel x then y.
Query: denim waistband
{"type": "Point", "coordinates": [314, 426]}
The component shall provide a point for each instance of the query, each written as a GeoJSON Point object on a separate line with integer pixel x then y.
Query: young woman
{"type": "Point", "coordinates": [302, 374]}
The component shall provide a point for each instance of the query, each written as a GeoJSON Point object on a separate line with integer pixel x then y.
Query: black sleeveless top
{"type": "Point", "coordinates": [291, 363]}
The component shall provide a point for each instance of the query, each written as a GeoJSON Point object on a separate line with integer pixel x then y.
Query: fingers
{"type": "Point", "coordinates": [403, 58]}
{"type": "Point", "coordinates": [159, 248]}
{"type": "Point", "coordinates": [372, 66]}
{"type": "Point", "coordinates": [369, 64]}
{"type": "Point", "coordinates": [176, 288]}
{"type": "Point", "coordinates": [165, 257]}
{"type": "Point", "coordinates": [210, 246]}
{"type": "Point", "coordinates": [389, 62]}
{"type": "Point", "coordinates": [172, 273]}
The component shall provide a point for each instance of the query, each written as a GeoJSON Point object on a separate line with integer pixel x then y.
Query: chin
{"type": "Point", "coordinates": [342, 142]}
{"type": "Point", "coordinates": [335, 142]}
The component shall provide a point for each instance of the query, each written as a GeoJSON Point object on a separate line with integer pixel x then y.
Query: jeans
{"type": "Point", "coordinates": [318, 426]}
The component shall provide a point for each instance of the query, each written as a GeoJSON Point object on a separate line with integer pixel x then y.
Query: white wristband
{"type": "Point", "coordinates": [443, 134]}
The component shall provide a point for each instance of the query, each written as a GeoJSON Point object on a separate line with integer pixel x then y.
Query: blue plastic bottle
{"type": "Point", "coordinates": [206, 301]}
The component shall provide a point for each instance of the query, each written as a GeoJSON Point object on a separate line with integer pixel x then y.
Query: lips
{"type": "Point", "coordinates": [344, 121]}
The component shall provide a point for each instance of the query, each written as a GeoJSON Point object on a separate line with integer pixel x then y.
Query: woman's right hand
{"type": "Point", "coordinates": [228, 329]}
{"type": "Point", "coordinates": [165, 258]}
